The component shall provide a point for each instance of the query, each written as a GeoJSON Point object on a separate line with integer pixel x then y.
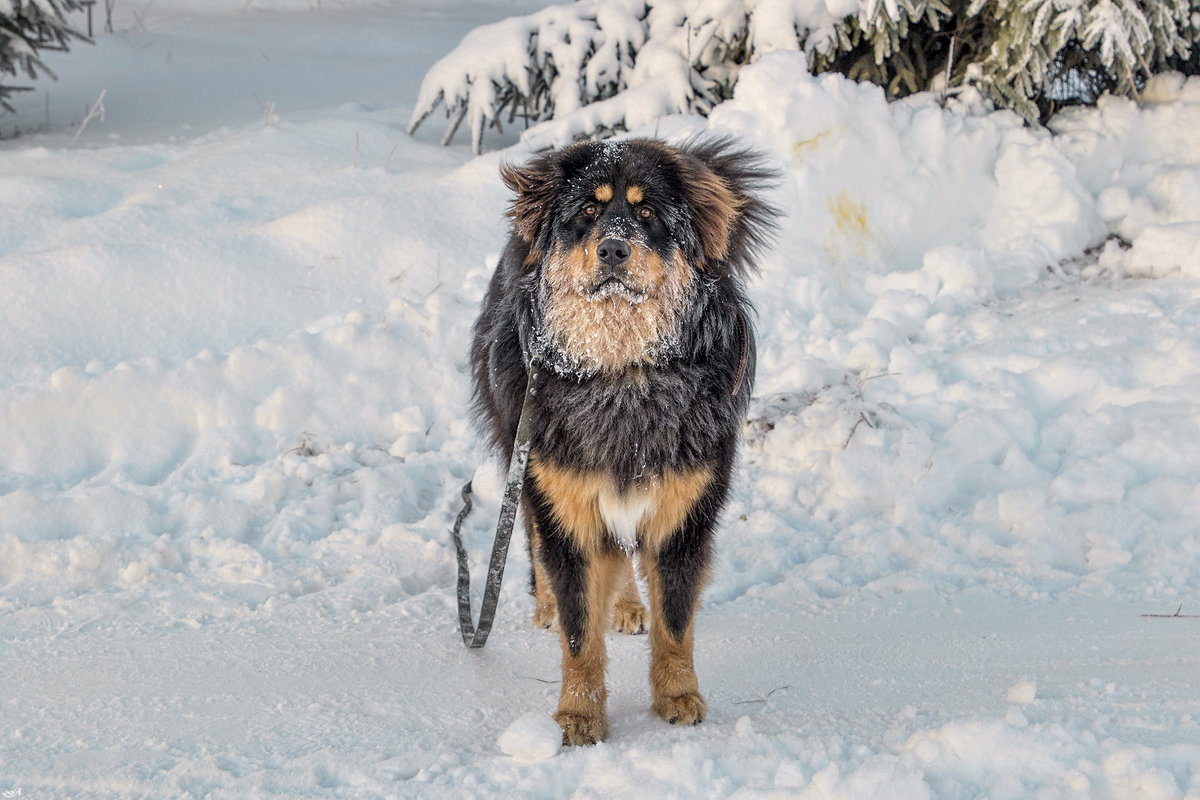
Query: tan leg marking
{"type": "Point", "coordinates": [629, 615]}
{"type": "Point", "coordinates": [674, 688]}
{"type": "Point", "coordinates": [581, 701]}
{"type": "Point", "coordinates": [545, 612]}
{"type": "Point", "coordinates": [573, 499]}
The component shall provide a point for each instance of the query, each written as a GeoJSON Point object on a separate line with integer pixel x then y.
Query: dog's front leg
{"type": "Point", "coordinates": [584, 602]}
{"type": "Point", "coordinates": [582, 567]}
{"type": "Point", "coordinates": [674, 561]}
{"type": "Point", "coordinates": [674, 588]}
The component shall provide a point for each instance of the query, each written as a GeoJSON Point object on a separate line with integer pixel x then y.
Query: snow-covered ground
{"type": "Point", "coordinates": [233, 429]}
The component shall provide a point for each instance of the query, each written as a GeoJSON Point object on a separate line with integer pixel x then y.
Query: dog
{"type": "Point", "coordinates": [621, 290]}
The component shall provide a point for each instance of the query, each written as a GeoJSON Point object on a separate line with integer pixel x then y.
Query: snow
{"type": "Point", "coordinates": [234, 427]}
{"type": "Point", "coordinates": [1023, 692]}
{"type": "Point", "coordinates": [531, 737]}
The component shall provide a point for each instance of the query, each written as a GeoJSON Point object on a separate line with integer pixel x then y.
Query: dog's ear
{"type": "Point", "coordinates": [713, 205]}
{"type": "Point", "coordinates": [535, 185]}
{"type": "Point", "coordinates": [724, 185]}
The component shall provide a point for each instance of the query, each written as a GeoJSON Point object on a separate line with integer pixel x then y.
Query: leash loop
{"type": "Point", "coordinates": [474, 636]}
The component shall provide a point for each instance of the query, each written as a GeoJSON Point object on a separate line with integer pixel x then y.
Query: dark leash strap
{"type": "Point", "coordinates": [476, 636]}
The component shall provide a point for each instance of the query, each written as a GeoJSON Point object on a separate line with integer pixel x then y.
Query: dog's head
{"type": "Point", "coordinates": [622, 236]}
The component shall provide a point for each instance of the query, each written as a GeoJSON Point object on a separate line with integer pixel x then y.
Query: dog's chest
{"type": "Point", "coordinates": [622, 513]}
{"type": "Point", "coordinates": [590, 508]}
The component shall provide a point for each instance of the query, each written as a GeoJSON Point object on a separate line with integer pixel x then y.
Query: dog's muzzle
{"type": "Point", "coordinates": [612, 274]}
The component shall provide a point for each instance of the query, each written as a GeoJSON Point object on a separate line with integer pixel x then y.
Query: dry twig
{"type": "Point", "coordinates": [1177, 615]}
{"type": "Point", "coordinates": [762, 699]}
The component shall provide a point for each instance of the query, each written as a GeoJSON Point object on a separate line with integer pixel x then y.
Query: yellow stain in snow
{"type": "Point", "coordinates": [801, 148]}
{"type": "Point", "coordinates": [849, 217]}
{"type": "Point", "coordinates": [851, 243]}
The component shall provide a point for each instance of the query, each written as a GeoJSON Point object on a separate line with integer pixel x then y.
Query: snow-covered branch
{"type": "Point", "coordinates": [602, 65]}
{"type": "Point", "coordinates": [27, 26]}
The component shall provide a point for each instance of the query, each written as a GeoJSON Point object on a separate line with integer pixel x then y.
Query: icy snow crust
{"type": "Point", "coordinates": [233, 428]}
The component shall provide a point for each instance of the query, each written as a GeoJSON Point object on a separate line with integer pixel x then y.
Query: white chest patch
{"type": "Point", "coordinates": [622, 513]}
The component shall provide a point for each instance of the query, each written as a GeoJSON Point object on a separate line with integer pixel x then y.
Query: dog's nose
{"type": "Point", "coordinates": [613, 252]}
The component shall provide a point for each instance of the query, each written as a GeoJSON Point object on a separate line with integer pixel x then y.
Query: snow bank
{"type": "Point", "coordinates": [911, 436]}
{"type": "Point", "coordinates": [1144, 173]}
{"type": "Point", "coordinates": [108, 477]}
{"type": "Point", "coordinates": [925, 441]}
{"type": "Point", "coordinates": [195, 415]}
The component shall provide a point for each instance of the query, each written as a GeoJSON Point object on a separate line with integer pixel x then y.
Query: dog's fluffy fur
{"type": "Point", "coordinates": [622, 285]}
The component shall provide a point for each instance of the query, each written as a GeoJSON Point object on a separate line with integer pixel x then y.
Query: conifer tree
{"type": "Point", "coordinates": [601, 65]}
{"type": "Point", "coordinates": [27, 27]}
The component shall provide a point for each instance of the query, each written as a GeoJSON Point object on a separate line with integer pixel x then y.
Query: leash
{"type": "Point", "coordinates": [476, 636]}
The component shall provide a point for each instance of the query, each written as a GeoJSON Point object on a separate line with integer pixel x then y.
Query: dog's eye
{"type": "Point", "coordinates": [645, 212]}
{"type": "Point", "coordinates": [591, 210]}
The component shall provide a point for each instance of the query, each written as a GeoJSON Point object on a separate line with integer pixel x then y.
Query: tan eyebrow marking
{"type": "Point", "coordinates": [604, 192]}
{"type": "Point", "coordinates": [635, 195]}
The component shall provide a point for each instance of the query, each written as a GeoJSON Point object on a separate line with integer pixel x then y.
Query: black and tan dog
{"type": "Point", "coordinates": [621, 283]}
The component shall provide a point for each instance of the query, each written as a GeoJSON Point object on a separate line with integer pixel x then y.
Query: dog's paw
{"type": "Point", "coordinates": [685, 709]}
{"type": "Point", "coordinates": [545, 615]}
{"type": "Point", "coordinates": [629, 618]}
{"type": "Point", "coordinates": [581, 729]}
